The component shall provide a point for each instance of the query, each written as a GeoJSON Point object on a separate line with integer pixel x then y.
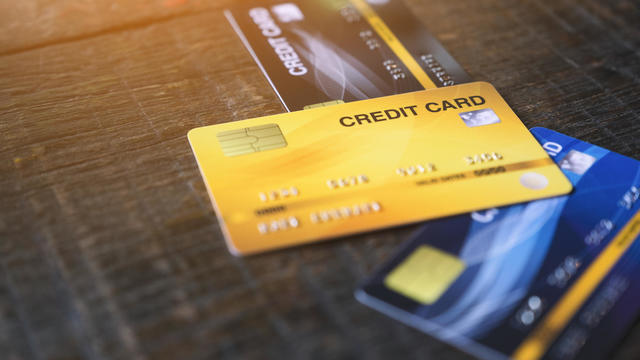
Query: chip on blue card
{"type": "Point", "coordinates": [554, 278]}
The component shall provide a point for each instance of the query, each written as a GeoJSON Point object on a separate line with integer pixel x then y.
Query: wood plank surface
{"type": "Point", "coordinates": [109, 247]}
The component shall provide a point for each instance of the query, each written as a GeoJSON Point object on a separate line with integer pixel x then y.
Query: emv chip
{"type": "Point", "coordinates": [425, 274]}
{"type": "Point", "coordinates": [251, 139]}
{"type": "Point", "coordinates": [323, 104]}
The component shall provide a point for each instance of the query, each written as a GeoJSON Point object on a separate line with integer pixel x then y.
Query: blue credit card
{"type": "Point", "coordinates": [554, 278]}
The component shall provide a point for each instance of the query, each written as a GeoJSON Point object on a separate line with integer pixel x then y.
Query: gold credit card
{"type": "Point", "coordinates": [299, 177]}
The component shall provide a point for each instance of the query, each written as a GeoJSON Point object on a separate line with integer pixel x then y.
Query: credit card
{"type": "Point", "coordinates": [554, 278]}
{"type": "Point", "coordinates": [341, 50]}
{"type": "Point", "coordinates": [294, 178]}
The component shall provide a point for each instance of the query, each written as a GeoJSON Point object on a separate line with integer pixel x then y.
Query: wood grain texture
{"type": "Point", "coordinates": [109, 247]}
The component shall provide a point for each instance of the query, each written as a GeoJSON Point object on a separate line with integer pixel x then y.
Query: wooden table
{"type": "Point", "coordinates": [109, 247]}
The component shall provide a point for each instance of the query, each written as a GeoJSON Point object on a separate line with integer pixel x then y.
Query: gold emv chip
{"type": "Point", "coordinates": [425, 274]}
{"type": "Point", "coordinates": [252, 139]}
{"type": "Point", "coordinates": [323, 104]}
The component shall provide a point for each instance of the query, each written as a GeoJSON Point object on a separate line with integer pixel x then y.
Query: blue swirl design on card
{"type": "Point", "coordinates": [530, 254]}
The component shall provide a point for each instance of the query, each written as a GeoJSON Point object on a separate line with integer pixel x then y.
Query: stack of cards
{"type": "Point", "coordinates": [393, 132]}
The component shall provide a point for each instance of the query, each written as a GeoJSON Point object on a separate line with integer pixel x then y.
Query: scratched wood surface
{"type": "Point", "coordinates": [109, 247]}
